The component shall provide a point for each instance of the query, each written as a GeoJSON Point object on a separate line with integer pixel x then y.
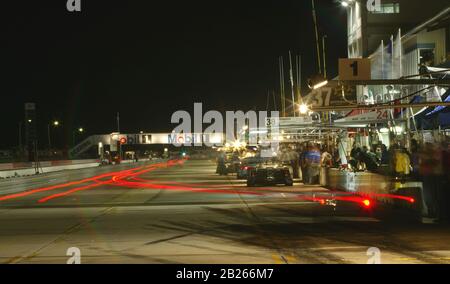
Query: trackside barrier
{"type": "Point", "coordinates": [24, 169]}
{"type": "Point", "coordinates": [27, 169]}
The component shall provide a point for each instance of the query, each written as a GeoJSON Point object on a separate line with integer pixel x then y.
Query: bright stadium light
{"type": "Point", "coordinates": [303, 109]}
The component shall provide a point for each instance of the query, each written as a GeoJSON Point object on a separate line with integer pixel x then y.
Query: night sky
{"type": "Point", "coordinates": [147, 59]}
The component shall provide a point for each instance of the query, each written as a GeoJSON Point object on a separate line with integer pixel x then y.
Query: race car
{"type": "Point", "coordinates": [246, 165]}
{"type": "Point", "coordinates": [269, 175]}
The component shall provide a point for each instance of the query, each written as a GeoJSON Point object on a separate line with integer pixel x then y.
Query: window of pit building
{"type": "Point", "coordinates": [426, 56]}
{"type": "Point", "coordinates": [388, 8]}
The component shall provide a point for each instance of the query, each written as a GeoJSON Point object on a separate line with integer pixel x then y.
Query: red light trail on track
{"type": "Point", "coordinates": [33, 191]}
{"type": "Point", "coordinates": [95, 181]}
{"type": "Point", "coordinates": [131, 179]}
{"type": "Point", "coordinates": [45, 199]}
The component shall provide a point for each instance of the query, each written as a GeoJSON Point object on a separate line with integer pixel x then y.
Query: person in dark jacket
{"type": "Point", "coordinates": [369, 159]}
{"type": "Point", "coordinates": [384, 155]}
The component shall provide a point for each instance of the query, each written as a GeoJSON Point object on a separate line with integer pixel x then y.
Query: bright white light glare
{"type": "Point", "coordinates": [245, 128]}
{"type": "Point", "coordinates": [216, 138]}
{"type": "Point", "coordinates": [249, 155]}
{"type": "Point", "coordinates": [344, 4]}
{"type": "Point", "coordinates": [397, 129]}
{"type": "Point", "coordinates": [320, 85]}
{"type": "Point", "coordinates": [238, 144]}
{"type": "Point", "coordinates": [166, 150]}
{"type": "Point", "coordinates": [303, 109]}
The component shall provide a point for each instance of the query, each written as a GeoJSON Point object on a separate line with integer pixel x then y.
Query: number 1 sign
{"type": "Point", "coordinates": [354, 69]}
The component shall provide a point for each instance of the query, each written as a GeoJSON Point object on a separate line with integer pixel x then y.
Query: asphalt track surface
{"type": "Point", "coordinates": [182, 212]}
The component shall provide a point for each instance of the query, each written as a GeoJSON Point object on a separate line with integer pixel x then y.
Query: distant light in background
{"type": "Point", "coordinates": [238, 144]}
{"type": "Point", "coordinates": [303, 109]}
{"type": "Point", "coordinates": [397, 129]}
{"type": "Point", "coordinates": [81, 129]}
{"type": "Point", "coordinates": [56, 123]}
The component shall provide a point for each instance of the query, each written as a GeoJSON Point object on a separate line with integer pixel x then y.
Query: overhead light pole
{"type": "Point", "coordinates": [80, 131]}
{"type": "Point", "coordinates": [291, 79]}
{"type": "Point", "coordinates": [282, 89]}
{"type": "Point", "coordinates": [20, 137]}
{"type": "Point", "coordinates": [319, 65]}
{"type": "Point", "coordinates": [55, 124]}
{"type": "Point", "coordinates": [118, 131]}
{"type": "Point", "coordinates": [324, 56]}
{"type": "Point", "coordinates": [299, 79]}
{"type": "Point", "coordinates": [118, 122]}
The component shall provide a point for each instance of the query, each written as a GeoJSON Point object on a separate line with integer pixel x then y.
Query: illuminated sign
{"type": "Point", "coordinates": [167, 138]}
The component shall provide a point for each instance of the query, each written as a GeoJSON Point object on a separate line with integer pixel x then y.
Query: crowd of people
{"type": "Point", "coordinates": [307, 160]}
{"type": "Point", "coordinates": [420, 161]}
{"type": "Point", "coordinates": [428, 163]}
{"type": "Point", "coordinates": [431, 165]}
